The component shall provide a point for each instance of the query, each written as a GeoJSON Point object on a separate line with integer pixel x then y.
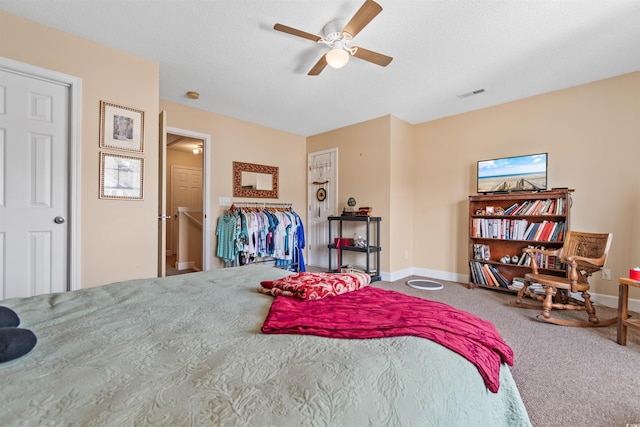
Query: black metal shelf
{"type": "Point", "coordinates": [372, 246]}
{"type": "Point", "coordinates": [357, 249]}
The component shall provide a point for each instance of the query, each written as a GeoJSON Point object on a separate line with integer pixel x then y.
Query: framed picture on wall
{"type": "Point", "coordinates": [121, 177]}
{"type": "Point", "coordinates": [121, 128]}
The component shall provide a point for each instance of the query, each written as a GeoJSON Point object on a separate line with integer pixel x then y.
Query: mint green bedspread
{"type": "Point", "coordinates": [187, 350]}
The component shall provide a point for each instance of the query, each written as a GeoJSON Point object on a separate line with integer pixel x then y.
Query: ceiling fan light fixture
{"type": "Point", "coordinates": [337, 58]}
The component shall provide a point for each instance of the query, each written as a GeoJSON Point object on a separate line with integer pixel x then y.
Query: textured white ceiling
{"type": "Point", "coordinates": [228, 51]}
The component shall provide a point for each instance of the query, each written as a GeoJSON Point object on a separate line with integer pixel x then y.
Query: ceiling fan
{"type": "Point", "coordinates": [338, 40]}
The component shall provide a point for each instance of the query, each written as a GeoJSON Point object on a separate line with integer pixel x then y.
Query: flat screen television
{"type": "Point", "coordinates": [520, 173]}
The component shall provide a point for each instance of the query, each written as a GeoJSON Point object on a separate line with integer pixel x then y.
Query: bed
{"type": "Point", "coordinates": [188, 350]}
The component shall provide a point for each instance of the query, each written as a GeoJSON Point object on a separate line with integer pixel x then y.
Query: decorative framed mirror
{"type": "Point", "coordinates": [251, 180]}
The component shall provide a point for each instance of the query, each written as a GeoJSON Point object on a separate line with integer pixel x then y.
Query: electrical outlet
{"type": "Point", "coordinates": [406, 254]}
{"type": "Point", "coordinates": [606, 274]}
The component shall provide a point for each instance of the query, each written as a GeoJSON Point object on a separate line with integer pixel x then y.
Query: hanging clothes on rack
{"type": "Point", "coordinates": [250, 233]}
{"type": "Point", "coordinates": [227, 232]}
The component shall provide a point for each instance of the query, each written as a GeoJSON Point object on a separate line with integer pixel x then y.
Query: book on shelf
{"type": "Point", "coordinates": [534, 207]}
{"type": "Point", "coordinates": [488, 275]}
{"type": "Point", "coordinates": [532, 231]}
{"type": "Point", "coordinates": [511, 208]}
{"type": "Point", "coordinates": [539, 229]}
{"type": "Point", "coordinates": [517, 283]}
{"type": "Point", "coordinates": [502, 281]}
{"type": "Point", "coordinates": [545, 231]}
{"type": "Point", "coordinates": [476, 274]}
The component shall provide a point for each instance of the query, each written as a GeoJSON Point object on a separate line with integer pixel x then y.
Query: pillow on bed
{"type": "Point", "coordinates": [312, 286]}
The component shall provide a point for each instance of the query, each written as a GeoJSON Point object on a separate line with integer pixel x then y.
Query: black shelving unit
{"type": "Point", "coordinates": [372, 242]}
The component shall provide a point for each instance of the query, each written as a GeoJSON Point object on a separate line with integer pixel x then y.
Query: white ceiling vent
{"type": "Point", "coordinates": [469, 94]}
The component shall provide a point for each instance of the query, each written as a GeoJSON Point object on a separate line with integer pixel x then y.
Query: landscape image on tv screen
{"type": "Point", "coordinates": [522, 173]}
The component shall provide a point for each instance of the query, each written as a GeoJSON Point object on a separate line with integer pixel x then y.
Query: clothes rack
{"type": "Point", "coordinates": [261, 232]}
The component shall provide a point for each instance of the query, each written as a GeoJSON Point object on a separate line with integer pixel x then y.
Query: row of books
{"type": "Point", "coordinates": [483, 253]}
{"type": "Point", "coordinates": [537, 207]}
{"type": "Point", "coordinates": [487, 274]}
{"type": "Point", "coordinates": [543, 261]}
{"type": "Point", "coordinates": [518, 229]}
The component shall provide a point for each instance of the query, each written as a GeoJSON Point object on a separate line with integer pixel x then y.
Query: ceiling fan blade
{"type": "Point", "coordinates": [294, 32]}
{"type": "Point", "coordinates": [371, 56]}
{"type": "Point", "coordinates": [317, 69]}
{"type": "Point", "coordinates": [363, 16]}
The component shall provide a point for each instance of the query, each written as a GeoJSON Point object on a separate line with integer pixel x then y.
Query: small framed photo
{"type": "Point", "coordinates": [121, 177]}
{"type": "Point", "coordinates": [489, 210]}
{"type": "Point", "coordinates": [121, 128]}
{"type": "Point", "coordinates": [486, 253]}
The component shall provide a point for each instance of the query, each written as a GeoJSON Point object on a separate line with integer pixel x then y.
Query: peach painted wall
{"type": "Point", "coordinates": [236, 140]}
{"type": "Point", "coordinates": [401, 228]}
{"type": "Point", "coordinates": [376, 167]}
{"type": "Point", "coordinates": [118, 238]}
{"type": "Point", "coordinates": [592, 135]}
{"type": "Point", "coordinates": [363, 172]}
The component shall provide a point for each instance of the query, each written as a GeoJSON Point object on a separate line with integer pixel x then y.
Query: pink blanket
{"type": "Point", "coordinates": [312, 286]}
{"type": "Point", "coordinates": [378, 313]}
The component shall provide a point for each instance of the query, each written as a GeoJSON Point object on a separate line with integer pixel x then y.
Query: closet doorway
{"type": "Point", "coordinates": [188, 228]}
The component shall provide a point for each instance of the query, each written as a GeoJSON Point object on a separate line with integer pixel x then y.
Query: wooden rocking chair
{"type": "Point", "coordinates": [584, 254]}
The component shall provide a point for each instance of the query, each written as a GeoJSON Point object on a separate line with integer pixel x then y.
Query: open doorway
{"type": "Point", "coordinates": [186, 230]}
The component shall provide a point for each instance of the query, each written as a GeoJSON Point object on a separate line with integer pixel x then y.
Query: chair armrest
{"type": "Point", "coordinates": [595, 262]}
{"type": "Point", "coordinates": [586, 265]}
{"type": "Point", "coordinates": [533, 251]}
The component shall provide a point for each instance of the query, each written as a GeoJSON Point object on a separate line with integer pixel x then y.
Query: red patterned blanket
{"type": "Point", "coordinates": [378, 313]}
{"type": "Point", "coordinates": [312, 286]}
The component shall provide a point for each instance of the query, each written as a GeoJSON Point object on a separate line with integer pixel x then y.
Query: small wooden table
{"type": "Point", "coordinates": [623, 315]}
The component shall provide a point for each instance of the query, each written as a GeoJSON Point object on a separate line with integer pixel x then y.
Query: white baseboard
{"type": "Point", "coordinates": [396, 275]}
{"type": "Point", "coordinates": [185, 265]}
{"type": "Point", "coordinates": [606, 300]}
{"type": "Point", "coordinates": [612, 301]}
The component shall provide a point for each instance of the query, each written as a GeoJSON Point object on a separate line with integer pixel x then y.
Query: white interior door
{"type": "Point", "coordinates": [34, 186]}
{"type": "Point", "coordinates": [323, 202]}
{"type": "Point", "coordinates": [186, 191]}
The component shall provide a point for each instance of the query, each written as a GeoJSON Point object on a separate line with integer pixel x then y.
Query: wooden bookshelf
{"type": "Point", "coordinates": [502, 225]}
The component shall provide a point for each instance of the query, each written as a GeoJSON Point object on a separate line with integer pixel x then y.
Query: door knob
{"type": "Point", "coordinates": [59, 220]}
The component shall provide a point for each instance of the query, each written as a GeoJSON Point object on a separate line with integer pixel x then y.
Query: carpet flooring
{"type": "Point", "coordinates": [565, 375]}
